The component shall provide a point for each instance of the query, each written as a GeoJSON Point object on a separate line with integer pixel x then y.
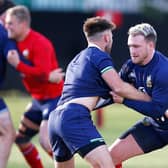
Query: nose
{"type": "Point", "coordinates": [132, 50]}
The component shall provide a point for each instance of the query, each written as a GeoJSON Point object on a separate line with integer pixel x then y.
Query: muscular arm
{"type": "Point", "coordinates": [122, 88]}
{"type": "Point", "coordinates": [28, 70]}
{"type": "Point", "coordinates": [39, 63]}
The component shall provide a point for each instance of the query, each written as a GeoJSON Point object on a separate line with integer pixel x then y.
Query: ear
{"type": "Point", "coordinates": [106, 38]}
{"type": "Point", "coordinates": [151, 44]}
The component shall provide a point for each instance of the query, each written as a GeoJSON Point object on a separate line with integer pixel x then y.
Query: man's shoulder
{"type": "Point", "coordinates": [162, 61]}
{"type": "Point", "coordinates": [38, 37]}
{"type": "Point", "coordinates": [160, 67]}
{"type": "Point", "coordinates": [162, 56]}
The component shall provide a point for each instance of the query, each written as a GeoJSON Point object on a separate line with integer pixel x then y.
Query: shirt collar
{"type": "Point", "coordinates": [94, 45]}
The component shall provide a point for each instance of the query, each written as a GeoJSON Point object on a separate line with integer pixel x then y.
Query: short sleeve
{"type": "Point", "coordinates": [102, 62]}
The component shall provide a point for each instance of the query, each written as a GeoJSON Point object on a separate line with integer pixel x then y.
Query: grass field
{"type": "Point", "coordinates": [116, 119]}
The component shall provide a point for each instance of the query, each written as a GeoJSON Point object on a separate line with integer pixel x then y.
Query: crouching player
{"type": "Point", "coordinates": [147, 71]}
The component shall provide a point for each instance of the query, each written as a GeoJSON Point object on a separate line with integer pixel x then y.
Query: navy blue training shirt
{"type": "Point", "coordinates": [83, 76]}
{"type": "Point", "coordinates": [5, 45]}
{"type": "Point", "coordinates": [152, 79]}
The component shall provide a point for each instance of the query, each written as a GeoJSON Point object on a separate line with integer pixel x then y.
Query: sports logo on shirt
{"type": "Point", "coordinates": [132, 77]}
{"type": "Point", "coordinates": [142, 89]}
{"type": "Point", "coordinates": [149, 81]}
{"type": "Point", "coordinates": [26, 53]}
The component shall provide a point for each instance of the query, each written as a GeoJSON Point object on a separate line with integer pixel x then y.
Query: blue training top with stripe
{"type": "Point", "coordinates": [152, 79]}
{"type": "Point", "coordinates": [83, 75]}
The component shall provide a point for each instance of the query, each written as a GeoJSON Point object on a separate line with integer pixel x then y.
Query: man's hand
{"type": "Point", "coordinates": [166, 113]}
{"type": "Point", "coordinates": [56, 75]}
{"type": "Point", "coordinates": [117, 98]}
{"type": "Point", "coordinates": [13, 58]}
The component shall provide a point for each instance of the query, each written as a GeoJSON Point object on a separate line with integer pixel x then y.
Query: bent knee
{"type": "Point", "coordinates": [25, 135]}
{"type": "Point", "coordinates": [123, 149]}
{"type": "Point", "coordinates": [116, 156]}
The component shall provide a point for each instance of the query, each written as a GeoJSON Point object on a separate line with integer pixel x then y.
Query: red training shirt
{"type": "Point", "coordinates": [39, 51]}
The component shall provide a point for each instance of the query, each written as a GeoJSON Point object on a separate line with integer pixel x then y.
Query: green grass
{"type": "Point", "coordinates": [117, 118]}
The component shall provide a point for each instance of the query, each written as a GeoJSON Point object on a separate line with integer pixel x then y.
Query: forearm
{"type": "Point", "coordinates": [122, 88]}
{"type": "Point", "coordinates": [32, 71]}
{"type": "Point", "coordinates": [128, 91]}
{"type": "Point", "coordinates": [150, 109]}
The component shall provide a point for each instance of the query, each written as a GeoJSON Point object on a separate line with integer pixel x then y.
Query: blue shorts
{"type": "Point", "coordinates": [71, 130]}
{"type": "Point", "coordinates": [40, 110]}
{"type": "Point", "coordinates": [3, 107]}
{"type": "Point", "coordinates": [148, 134]}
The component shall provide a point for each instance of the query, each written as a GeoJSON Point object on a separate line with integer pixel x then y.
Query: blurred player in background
{"type": "Point", "coordinates": [39, 59]}
{"type": "Point", "coordinates": [147, 70]}
{"type": "Point", "coordinates": [7, 132]}
{"type": "Point", "coordinates": [90, 75]}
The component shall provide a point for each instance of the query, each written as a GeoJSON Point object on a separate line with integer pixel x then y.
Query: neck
{"type": "Point", "coordinates": [149, 58]}
{"type": "Point", "coordinates": [95, 44]}
{"type": "Point", "coordinates": [24, 35]}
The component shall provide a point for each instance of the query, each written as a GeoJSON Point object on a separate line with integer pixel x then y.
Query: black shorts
{"type": "Point", "coordinates": [40, 110]}
{"type": "Point", "coordinates": [148, 135]}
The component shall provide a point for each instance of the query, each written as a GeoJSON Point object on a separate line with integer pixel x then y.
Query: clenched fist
{"type": "Point", "coordinates": [13, 58]}
{"type": "Point", "coordinates": [56, 75]}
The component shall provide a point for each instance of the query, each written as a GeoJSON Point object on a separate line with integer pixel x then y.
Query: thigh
{"type": "Point", "coordinates": [5, 117]}
{"type": "Point", "coordinates": [29, 124]}
{"type": "Point", "coordinates": [44, 129]}
{"type": "Point", "coordinates": [140, 138]}
{"type": "Point", "coordinates": [43, 135]}
{"type": "Point", "coordinates": [147, 135]}
{"type": "Point", "coordinates": [33, 113]}
{"type": "Point", "coordinates": [125, 148]}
